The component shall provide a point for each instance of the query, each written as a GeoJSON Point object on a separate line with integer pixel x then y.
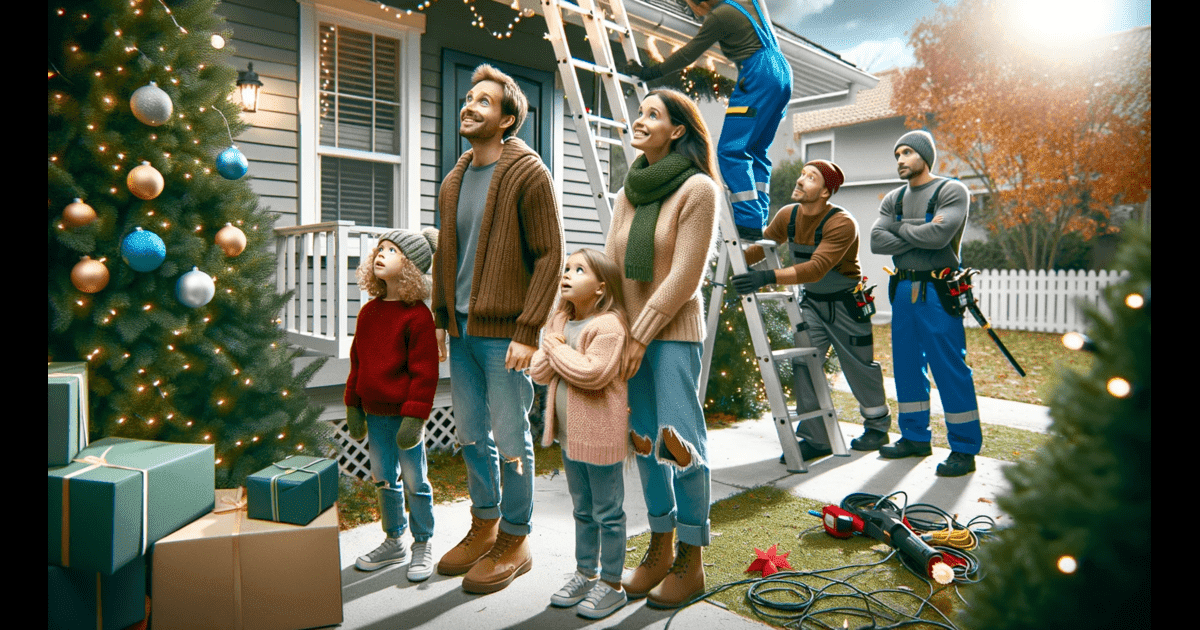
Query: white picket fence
{"type": "Point", "coordinates": [1039, 300]}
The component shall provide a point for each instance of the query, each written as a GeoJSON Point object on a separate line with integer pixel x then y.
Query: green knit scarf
{"type": "Point", "coordinates": [646, 186]}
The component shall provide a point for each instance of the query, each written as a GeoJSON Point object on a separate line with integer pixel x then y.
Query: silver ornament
{"type": "Point", "coordinates": [195, 288]}
{"type": "Point", "coordinates": [151, 105]}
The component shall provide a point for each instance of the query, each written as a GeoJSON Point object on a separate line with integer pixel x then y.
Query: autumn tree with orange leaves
{"type": "Point", "coordinates": [1057, 133]}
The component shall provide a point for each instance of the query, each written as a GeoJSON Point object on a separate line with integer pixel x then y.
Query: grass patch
{"type": "Point", "coordinates": [767, 516]}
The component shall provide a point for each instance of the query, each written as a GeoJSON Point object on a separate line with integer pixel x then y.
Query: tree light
{"type": "Point", "coordinates": [1119, 387]}
{"type": "Point", "coordinates": [1067, 564]}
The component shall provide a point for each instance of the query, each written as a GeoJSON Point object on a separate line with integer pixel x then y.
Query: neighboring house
{"type": "Point", "coordinates": [359, 113]}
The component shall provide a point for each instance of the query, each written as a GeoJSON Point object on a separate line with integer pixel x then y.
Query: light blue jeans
{"type": "Point", "coordinates": [664, 394]}
{"type": "Point", "coordinates": [598, 494]}
{"type": "Point", "coordinates": [403, 474]}
{"type": "Point", "coordinates": [491, 419]}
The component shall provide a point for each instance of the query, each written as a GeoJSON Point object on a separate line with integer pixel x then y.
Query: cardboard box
{"type": "Point", "coordinates": [97, 513]}
{"type": "Point", "coordinates": [86, 599]}
{"type": "Point", "coordinates": [294, 490]}
{"type": "Point", "coordinates": [226, 570]}
{"type": "Point", "coordinates": [66, 412]}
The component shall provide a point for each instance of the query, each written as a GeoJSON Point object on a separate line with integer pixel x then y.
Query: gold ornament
{"type": "Point", "coordinates": [231, 240]}
{"type": "Point", "coordinates": [78, 214]}
{"type": "Point", "coordinates": [145, 182]}
{"type": "Point", "coordinates": [89, 276]}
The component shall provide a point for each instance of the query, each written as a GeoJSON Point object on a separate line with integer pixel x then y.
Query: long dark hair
{"type": "Point", "coordinates": [696, 142]}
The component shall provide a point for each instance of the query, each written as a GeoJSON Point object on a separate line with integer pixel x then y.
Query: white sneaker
{"type": "Point", "coordinates": [601, 602]}
{"type": "Point", "coordinates": [421, 566]}
{"type": "Point", "coordinates": [574, 591]}
{"type": "Point", "coordinates": [392, 551]}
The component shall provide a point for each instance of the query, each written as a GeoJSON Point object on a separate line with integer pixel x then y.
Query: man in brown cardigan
{"type": "Point", "coordinates": [495, 279]}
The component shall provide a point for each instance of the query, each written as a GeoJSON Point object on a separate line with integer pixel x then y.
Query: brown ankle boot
{"type": "Point", "coordinates": [473, 546]}
{"type": "Point", "coordinates": [685, 581]}
{"type": "Point", "coordinates": [654, 567]}
{"type": "Point", "coordinates": [508, 558]}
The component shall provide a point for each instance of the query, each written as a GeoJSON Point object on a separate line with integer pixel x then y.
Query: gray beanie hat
{"type": "Point", "coordinates": [418, 247]}
{"type": "Point", "coordinates": [921, 142]}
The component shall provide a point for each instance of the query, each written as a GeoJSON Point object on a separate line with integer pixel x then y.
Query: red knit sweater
{"type": "Point", "coordinates": [393, 360]}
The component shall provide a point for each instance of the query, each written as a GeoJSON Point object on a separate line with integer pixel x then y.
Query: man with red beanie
{"type": "Point", "coordinates": [824, 242]}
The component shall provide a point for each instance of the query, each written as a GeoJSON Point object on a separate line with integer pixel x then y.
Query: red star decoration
{"type": "Point", "coordinates": [768, 562]}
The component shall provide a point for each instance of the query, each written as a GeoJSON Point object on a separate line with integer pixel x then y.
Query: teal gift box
{"type": "Point", "coordinates": [106, 510]}
{"type": "Point", "coordinates": [66, 411]}
{"type": "Point", "coordinates": [294, 490]}
{"type": "Point", "coordinates": [85, 599]}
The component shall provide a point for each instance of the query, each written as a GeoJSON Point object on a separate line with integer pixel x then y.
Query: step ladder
{"type": "Point", "coordinates": [590, 126]}
{"type": "Point", "coordinates": [732, 257]}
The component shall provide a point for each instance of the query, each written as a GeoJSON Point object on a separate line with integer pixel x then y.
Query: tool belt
{"type": "Point", "coordinates": [859, 304]}
{"type": "Point", "coordinates": [950, 300]}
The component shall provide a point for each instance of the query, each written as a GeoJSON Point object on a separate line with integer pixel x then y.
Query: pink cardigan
{"type": "Point", "coordinates": [597, 399]}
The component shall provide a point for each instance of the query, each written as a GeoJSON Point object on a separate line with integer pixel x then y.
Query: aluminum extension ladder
{"type": "Point", "coordinates": [598, 27]}
{"type": "Point", "coordinates": [731, 255]}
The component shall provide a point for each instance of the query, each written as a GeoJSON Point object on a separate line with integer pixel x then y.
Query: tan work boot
{"type": "Point", "coordinates": [508, 558]}
{"type": "Point", "coordinates": [473, 546]}
{"type": "Point", "coordinates": [654, 567]}
{"type": "Point", "coordinates": [685, 581]}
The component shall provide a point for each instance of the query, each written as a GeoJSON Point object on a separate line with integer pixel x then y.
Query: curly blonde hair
{"type": "Point", "coordinates": [414, 287]}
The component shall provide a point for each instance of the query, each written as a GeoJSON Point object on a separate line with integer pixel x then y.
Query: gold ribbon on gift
{"type": "Point", "coordinates": [81, 414]}
{"type": "Point", "coordinates": [287, 470]}
{"type": "Point", "coordinates": [237, 505]}
{"type": "Point", "coordinates": [95, 462]}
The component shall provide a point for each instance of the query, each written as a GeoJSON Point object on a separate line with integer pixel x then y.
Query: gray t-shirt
{"type": "Point", "coordinates": [571, 331]}
{"type": "Point", "coordinates": [472, 201]}
{"type": "Point", "coordinates": [915, 243]}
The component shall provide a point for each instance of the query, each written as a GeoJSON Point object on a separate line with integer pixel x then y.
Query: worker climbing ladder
{"type": "Point", "coordinates": [591, 126]}
{"type": "Point", "coordinates": [732, 256]}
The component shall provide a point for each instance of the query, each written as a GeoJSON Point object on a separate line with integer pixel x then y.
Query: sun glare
{"type": "Point", "coordinates": [1058, 24]}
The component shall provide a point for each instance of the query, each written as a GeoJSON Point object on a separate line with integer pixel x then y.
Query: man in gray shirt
{"type": "Point", "coordinates": [921, 225]}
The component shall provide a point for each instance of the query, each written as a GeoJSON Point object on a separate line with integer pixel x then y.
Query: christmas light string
{"type": "Point", "coordinates": [476, 20]}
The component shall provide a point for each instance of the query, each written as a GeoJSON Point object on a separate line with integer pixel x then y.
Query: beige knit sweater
{"type": "Point", "coordinates": [520, 254]}
{"type": "Point", "coordinates": [669, 307]}
{"type": "Point", "coordinates": [597, 400]}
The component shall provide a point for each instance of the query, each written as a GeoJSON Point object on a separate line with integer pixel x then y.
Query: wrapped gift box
{"type": "Point", "coordinates": [294, 490]}
{"type": "Point", "coordinates": [85, 599]}
{"type": "Point", "coordinates": [105, 511]}
{"type": "Point", "coordinates": [66, 412]}
{"type": "Point", "coordinates": [229, 571]}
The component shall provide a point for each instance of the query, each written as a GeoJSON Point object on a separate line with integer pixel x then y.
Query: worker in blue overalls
{"type": "Point", "coordinates": [921, 225]}
{"type": "Point", "coordinates": [757, 106]}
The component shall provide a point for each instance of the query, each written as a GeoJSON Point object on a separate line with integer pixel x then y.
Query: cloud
{"type": "Point", "coordinates": [791, 12]}
{"type": "Point", "coordinates": [873, 56]}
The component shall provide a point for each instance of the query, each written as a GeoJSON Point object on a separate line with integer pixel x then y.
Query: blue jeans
{"type": "Point", "coordinates": [491, 419]}
{"type": "Point", "coordinates": [403, 474]}
{"type": "Point", "coordinates": [664, 394]}
{"type": "Point", "coordinates": [598, 494]}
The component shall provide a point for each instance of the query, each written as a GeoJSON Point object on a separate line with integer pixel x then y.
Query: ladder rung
{"type": "Point", "coordinates": [592, 67]}
{"type": "Point", "coordinates": [600, 120]}
{"type": "Point", "coordinates": [820, 413]}
{"type": "Point", "coordinates": [793, 353]}
{"type": "Point", "coordinates": [608, 140]}
{"type": "Point", "coordinates": [571, 6]}
{"type": "Point", "coordinates": [775, 295]}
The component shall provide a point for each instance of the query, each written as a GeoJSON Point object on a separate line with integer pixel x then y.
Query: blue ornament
{"type": "Point", "coordinates": [144, 251]}
{"type": "Point", "coordinates": [195, 288]}
{"type": "Point", "coordinates": [231, 164]}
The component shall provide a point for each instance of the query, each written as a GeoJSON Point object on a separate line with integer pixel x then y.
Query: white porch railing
{"type": "Point", "coordinates": [1038, 300]}
{"type": "Point", "coordinates": [313, 261]}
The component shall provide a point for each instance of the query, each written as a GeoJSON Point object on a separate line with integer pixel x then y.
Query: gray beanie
{"type": "Point", "coordinates": [921, 142]}
{"type": "Point", "coordinates": [418, 247]}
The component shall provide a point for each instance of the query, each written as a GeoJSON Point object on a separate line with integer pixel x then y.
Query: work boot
{"type": "Point", "coordinates": [905, 447]}
{"type": "Point", "coordinates": [508, 559]}
{"type": "Point", "coordinates": [473, 546]}
{"type": "Point", "coordinates": [749, 234]}
{"type": "Point", "coordinates": [957, 465]}
{"type": "Point", "coordinates": [654, 567]}
{"type": "Point", "coordinates": [808, 452]}
{"type": "Point", "coordinates": [685, 581]}
{"type": "Point", "coordinates": [871, 440]}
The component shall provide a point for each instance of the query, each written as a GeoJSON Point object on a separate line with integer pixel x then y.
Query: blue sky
{"type": "Point", "coordinates": [873, 34]}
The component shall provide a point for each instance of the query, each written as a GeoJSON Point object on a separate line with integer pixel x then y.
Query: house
{"type": "Point", "coordinates": [358, 122]}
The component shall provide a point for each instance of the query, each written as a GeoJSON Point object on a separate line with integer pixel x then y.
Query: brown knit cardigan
{"type": "Point", "coordinates": [520, 253]}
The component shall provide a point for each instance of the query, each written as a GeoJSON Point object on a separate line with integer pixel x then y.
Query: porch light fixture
{"type": "Point", "coordinates": [249, 85]}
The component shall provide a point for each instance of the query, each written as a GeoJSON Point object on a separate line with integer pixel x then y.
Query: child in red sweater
{"type": "Point", "coordinates": [587, 412]}
{"type": "Point", "coordinates": [389, 393]}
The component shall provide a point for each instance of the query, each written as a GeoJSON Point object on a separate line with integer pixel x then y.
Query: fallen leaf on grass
{"type": "Point", "coordinates": [631, 549]}
{"type": "Point", "coordinates": [985, 500]}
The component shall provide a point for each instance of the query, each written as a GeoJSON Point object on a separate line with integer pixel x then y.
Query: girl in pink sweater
{"type": "Point", "coordinates": [587, 412]}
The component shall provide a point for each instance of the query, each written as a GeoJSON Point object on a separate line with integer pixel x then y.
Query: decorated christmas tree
{"type": "Point", "coordinates": [1078, 552]}
{"type": "Point", "coordinates": [160, 262]}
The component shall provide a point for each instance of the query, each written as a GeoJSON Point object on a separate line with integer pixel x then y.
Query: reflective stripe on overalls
{"type": "Point", "coordinates": [757, 106]}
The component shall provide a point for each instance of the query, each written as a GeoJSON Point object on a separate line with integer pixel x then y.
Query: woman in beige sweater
{"type": "Point", "coordinates": [661, 236]}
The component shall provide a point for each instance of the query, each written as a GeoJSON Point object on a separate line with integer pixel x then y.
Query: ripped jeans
{"type": "Point", "coordinates": [664, 396]}
{"type": "Point", "coordinates": [400, 474]}
{"type": "Point", "coordinates": [491, 418]}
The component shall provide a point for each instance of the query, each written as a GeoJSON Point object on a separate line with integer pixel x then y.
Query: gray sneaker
{"type": "Point", "coordinates": [422, 561]}
{"type": "Point", "coordinates": [574, 591]}
{"type": "Point", "coordinates": [392, 551]}
{"type": "Point", "coordinates": [601, 602]}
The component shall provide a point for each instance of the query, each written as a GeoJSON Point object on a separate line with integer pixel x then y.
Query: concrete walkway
{"type": "Point", "coordinates": [743, 457]}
